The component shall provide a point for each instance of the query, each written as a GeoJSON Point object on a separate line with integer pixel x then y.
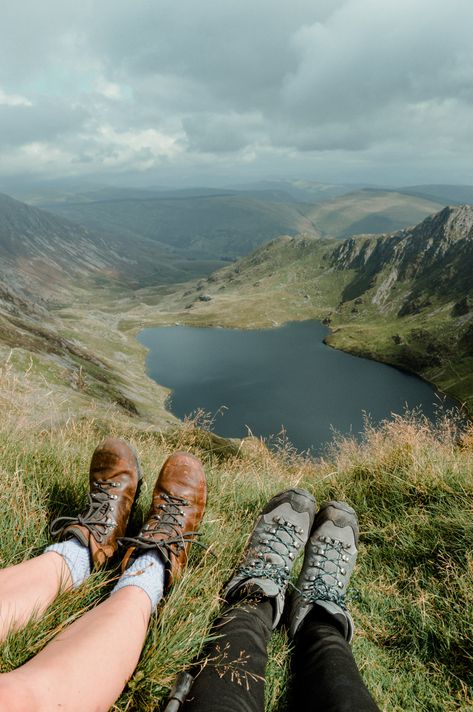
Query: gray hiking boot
{"type": "Point", "coordinates": [279, 535]}
{"type": "Point", "coordinates": [329, 560]}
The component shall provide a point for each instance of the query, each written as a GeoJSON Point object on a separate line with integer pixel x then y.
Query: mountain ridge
{"type": "Point", "coordinates": [229, 225]}
{"type": "Point", "coordinates": [443, 241]}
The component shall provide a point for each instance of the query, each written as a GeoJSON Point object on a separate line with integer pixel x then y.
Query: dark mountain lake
{"type": "Point", "coordinates": [285, 377]}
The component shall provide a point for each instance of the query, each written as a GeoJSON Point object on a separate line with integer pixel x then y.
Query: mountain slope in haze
{"type": "Point", "coordinates": [447, 194]}
{"type": "Point", "coordinates": [405, 298]}
{"type": "Point", "coordinates": [40, 252]}
{"type": "Point", "coordinates": [44, 254]}
{"type": "Point", "coordinates": [370, 211]}
{"type": "Point", "coordinates": [289, 191]}
{"type": "Point", "coordinates": [232, 225]}
{"type": "Point", "coordinates": [44, 262]}
{"type": "Point", "coordinates": [114, 193]}
{"type": "Point", "coordinates": [225, 226]}
{"type": "Point", "coordinates": [302, 191]}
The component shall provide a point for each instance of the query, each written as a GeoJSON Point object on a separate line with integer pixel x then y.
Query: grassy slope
{"type": "Point", "coordinates": [85, 361]}
{"type": "Point", "coordinates": [411, 594]}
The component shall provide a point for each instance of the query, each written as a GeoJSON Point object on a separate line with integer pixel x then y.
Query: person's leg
{"type": "Point", "coordinates": [87, 665]}
{"type": "Point", "coordinates": [326, 678]}
{"type": "Point", "coordinates": [27, 589]}
{"type": "Point", "coordinates": [231, 676]}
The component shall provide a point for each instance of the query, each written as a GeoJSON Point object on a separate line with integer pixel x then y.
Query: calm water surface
{"type": "Point", "coordinates": [278, 378]}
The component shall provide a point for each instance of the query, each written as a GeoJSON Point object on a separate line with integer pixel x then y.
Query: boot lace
{"type": "Point", "coordinates": [321, 583]}
{"type": "Point", "coordinates": [96, 519]}
{"type": "Point", "coordinates": [273, 554]}
{"type": "Point", "coordinates": [166, 520]}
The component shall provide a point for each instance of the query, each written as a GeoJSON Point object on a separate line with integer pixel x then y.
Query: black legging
{"type": "Point", "coordinates": [325, 675]}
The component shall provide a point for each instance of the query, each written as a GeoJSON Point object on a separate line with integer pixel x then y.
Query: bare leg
{"type": "Point", "coordinates": [88, 664]}
{"type": "Point", "coordinates": [27, 589]}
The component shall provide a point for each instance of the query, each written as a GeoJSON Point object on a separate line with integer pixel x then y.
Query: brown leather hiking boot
{"type": "Point", "coordinates": [115, 477]}
{"type": "Point", "coordinates": [178, 504]}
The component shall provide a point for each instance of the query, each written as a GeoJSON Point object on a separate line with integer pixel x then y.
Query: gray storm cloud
{"type": "Point", "coordinates": [121, 86]}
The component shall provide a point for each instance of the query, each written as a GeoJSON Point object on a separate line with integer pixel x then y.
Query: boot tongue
{"type": "Point", "coordinates": [264, 585]}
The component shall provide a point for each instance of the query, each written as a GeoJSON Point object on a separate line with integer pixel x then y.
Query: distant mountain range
{"type": "Point", "coordinates": [206, 223]}
{"type": "Point", "coordinates": [43, 193]}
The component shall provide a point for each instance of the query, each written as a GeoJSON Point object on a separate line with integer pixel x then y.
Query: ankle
{"type": "Point", "coordinates": [329, 613]}
{"type": "Point", "coordinates": [76, 558]}
{"type": "Point", "coordinates": [146, 572]}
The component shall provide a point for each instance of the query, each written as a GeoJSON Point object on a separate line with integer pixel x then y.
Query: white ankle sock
{"type": "Point", "coordinates": [146, 572]}
{"type": "Point", "coordinates": [77, 558]}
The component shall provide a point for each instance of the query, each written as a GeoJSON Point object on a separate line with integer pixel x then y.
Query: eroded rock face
{"type": "Point", "coordinates": [384, 289]}
{"type": "Point", "coordinates": [436, 255]}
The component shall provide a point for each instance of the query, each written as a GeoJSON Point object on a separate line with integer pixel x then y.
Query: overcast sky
{"type": "Point", "coordinates": [201, 91]}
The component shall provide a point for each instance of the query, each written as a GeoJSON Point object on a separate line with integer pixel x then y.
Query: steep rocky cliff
{"type": "Point", "coordinates": [434, 258]}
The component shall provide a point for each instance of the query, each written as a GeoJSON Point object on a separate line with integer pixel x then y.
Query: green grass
{"type": "Point", "coordinates": [411, 597]}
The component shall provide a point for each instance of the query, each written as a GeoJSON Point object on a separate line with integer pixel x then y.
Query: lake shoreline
{"type": "Point", "coordinates": [305, 329]}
